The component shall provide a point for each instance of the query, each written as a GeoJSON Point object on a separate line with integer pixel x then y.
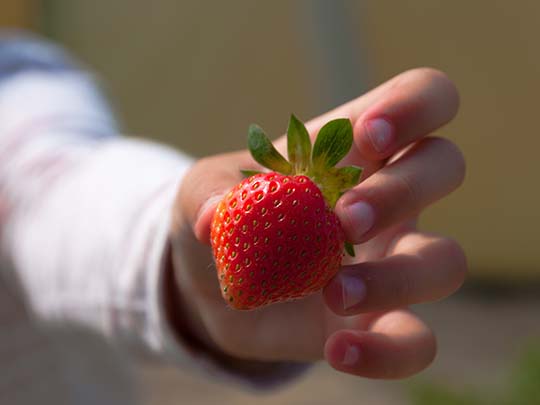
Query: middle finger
{"type": "Point", "coordinates": [427, 171]}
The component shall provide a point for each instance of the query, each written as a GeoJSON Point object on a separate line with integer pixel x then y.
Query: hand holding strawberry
{"type": "Point", "coordinates": [359, 322]}
{"type": "Point", "coordinates": [275, 236]}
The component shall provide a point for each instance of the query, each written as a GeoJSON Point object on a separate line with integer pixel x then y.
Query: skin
{"type": "Point", "coordinates": [396, 264]}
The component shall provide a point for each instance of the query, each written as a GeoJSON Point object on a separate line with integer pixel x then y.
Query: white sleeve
{"type": "Point", "coordinates": [85, 213]}
{"type": "Point", "coordinates": [84, 218]}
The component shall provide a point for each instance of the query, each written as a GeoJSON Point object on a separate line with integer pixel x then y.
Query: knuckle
{"type": "Point", "coordinates": [446, 88]}
{"type": "Point", "coordinates": [434, 76]}
{"type": "Point", "coordinates": [192, 178]}
{"type": "Point", "coordinates": [453, 158]}
{"type": "Point", "coordinates": [202, 164]}
{"type": "Point", "coordinates": [457, 261]}
{"type": "Point", "coordinates": [428, 75]}
{"type": "Point", "coordinates": [459, 163]}
{"type": "Point", "coordinates": [407, 191]}
{"type": "Point", "coordinates": [403, 288]}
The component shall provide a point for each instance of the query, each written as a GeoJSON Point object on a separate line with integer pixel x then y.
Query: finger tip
{"type": "Point", "coordinates": [202, 225]}
{"type": "Point", "coordinates": [397, 348]}
{"type": "Point", "coordinates": [202, 231]}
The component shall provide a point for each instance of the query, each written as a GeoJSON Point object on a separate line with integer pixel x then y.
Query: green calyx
{"type": "Point", "coordinates": [333, 142]}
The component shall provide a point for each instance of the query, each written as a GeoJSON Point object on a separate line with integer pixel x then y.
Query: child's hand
{"type": "Point", "coordinates": [396, 265]}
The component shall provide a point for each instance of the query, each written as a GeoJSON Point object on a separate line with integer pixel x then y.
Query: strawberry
{"type": "Point", "coordinates": [275, 236]}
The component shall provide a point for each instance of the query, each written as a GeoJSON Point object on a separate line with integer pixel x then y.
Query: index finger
{"type": "Point", "coordinates": [393, 115]}
{"type": "Point", "coordinates": [413, 104]}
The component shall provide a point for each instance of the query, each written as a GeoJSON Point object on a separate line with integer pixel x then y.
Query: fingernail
{"type": "Point", "coordinates": [379, 132]}
{"type": "Point", "coordinates": [351, 356]}
{"type": "Point", "coordinates": [353, 291]}
{"type": "Point", "coordinates": [361, 217]}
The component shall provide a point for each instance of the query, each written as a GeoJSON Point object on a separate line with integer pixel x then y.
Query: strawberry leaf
{"type": "Point", "coordinates": [298, 145]}
{"type": "Point", "coordinates": [333, 143]}
{"type": "Point", "coordinates": [263, 151]}
{"type": "Point", "coordinates": [348, 177]}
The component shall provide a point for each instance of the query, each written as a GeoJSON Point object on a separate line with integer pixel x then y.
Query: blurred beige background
{"type": "Point", "coordinates": [490, 49]}
{"type": "Point", "coordinates": [196, 73]}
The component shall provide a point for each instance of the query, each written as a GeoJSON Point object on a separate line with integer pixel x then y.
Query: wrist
{"type": "Point", "coordinates": [183, 316]}
{"type": "Point", "coordinates": [189, 328]}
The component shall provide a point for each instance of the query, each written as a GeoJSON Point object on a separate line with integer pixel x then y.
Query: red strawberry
{"type": "Point", "coordinates": [274, 235]}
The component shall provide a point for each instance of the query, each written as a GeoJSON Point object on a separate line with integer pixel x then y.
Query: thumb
{"type": "Point", "coordinates": [204, 186]}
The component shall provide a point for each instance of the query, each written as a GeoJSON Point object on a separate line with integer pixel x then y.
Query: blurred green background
{"type": "Point", "coordinates": [194, 74]}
